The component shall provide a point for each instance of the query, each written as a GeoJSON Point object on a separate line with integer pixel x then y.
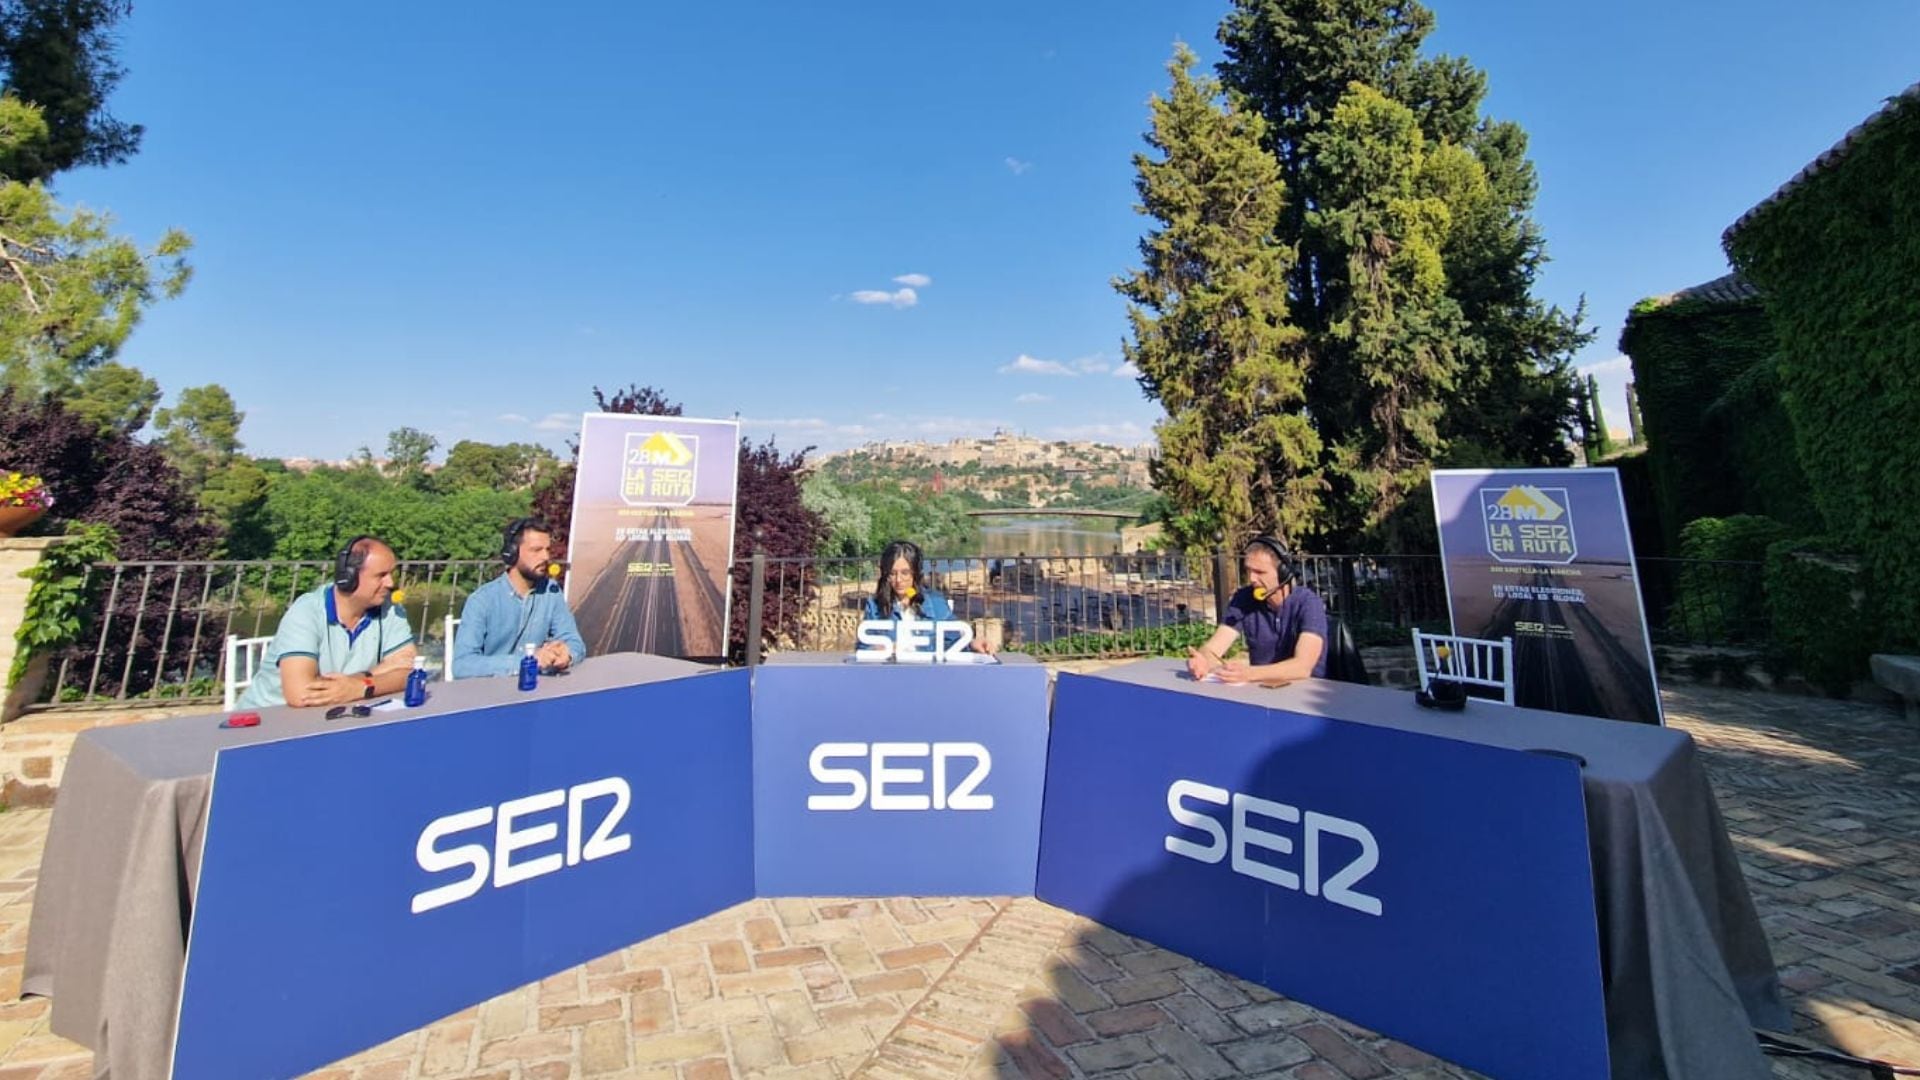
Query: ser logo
{"type": "Point", "coordinates": [1527, 524]}
{"type": "Point", "coordinates": [883, 785]}
{"type": "Point", "coordinates": [511, 837]}
{"type": "Point", "coordinates": [1336, 887]}
{"type": "Point", "coordinates": [913, 641]}
{"type": "Point", "coordinates": [657, 468]}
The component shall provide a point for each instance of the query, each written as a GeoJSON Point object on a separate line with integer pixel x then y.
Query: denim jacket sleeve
{"type": "Point", "coordinates": [480, 619]}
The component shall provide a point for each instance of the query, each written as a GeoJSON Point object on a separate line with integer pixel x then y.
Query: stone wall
{"type": "Point", "coordinates": [16, 556]}
{"type": "Point", "coordinates": [34, 748]}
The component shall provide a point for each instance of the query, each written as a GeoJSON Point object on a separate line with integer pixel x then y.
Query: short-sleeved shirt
{"type": "Point", "coordinates": [311, 627]}
{"type": "Point", "coordinates": [1273, 633]}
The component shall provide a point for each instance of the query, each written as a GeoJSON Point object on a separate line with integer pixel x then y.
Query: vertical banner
{"type": "Point", "coordinates": [1543, 556]}
{"type": "Point", "coordinates": [651, 542]}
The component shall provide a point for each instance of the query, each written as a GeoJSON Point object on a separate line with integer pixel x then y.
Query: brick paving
{"type": "Point", "coordinates": [1822, 799]}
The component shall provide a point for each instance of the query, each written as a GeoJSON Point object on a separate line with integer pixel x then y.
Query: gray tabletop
{"type": "Point", "coordinates": [1687, 968]}
{"type": "Point", "coordinates": [107, 940]}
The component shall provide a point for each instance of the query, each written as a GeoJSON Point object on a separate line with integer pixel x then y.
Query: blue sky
{"type": "Point", "coordinates": [841, 221]}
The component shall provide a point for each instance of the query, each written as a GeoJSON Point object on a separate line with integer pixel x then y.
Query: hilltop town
{"type": "Point", "coordinates": [1005, 468]}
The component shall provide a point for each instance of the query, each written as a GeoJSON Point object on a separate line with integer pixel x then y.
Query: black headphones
{"type": "Point", "coordinates": [517, 528]}
{"type": "Point", "coordinates": [1289, 567]}
{"type": "Point", "coordinates": [347, 564]}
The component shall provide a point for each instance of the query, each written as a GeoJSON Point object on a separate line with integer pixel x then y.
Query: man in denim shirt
{"type": "Point", "coordinates": [523, 606]}
{"type": "Point", "coordinates": [1284, 624]}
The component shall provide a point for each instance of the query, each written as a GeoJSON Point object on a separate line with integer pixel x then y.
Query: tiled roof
{"type": "Point", "coordinates": [1908, 98]}
{"type": "Point", "coordinates": [1726, 289]}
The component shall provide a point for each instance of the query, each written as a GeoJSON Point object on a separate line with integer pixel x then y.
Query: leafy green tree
{"type": "Point", "coordinates": [1602, 438]}
{"type": "Point", "coordinates": [1212, 335]}
{"type": "Point", "coordinates": [1409, 215]}
{"type": "Point", "coordinates": [408, 451]}
{"type": "Point", "coordinates": [59, 55]}
{"type": "Point", "coordinates": [847, 518]}
{"type": "Point", "coordinates": [115, 397]}
{"type": "Point", "coordinates": [236, 495]}
{"type": "Point", "coordinates": [1386, 201]}
{"type": "Point", "coordinates": [70, 291]}
{"type": "Point", "coordinates": [308, 516]}
{"type": "Point", "coordinates": [201, 432]}
{"type": "Point", "coordinates": [513, 466]}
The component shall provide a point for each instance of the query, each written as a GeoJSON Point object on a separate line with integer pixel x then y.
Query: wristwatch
{"type": "Point", "coordinates": [368, 679]}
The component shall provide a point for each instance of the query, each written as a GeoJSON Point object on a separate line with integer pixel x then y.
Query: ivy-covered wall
{"type": "Point", "coordinates": [1719, 441]}
{"type": "Point", "coordinates": [1837, 256]}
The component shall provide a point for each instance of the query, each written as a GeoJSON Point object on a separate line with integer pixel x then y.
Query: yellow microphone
{"type": "Point", "coordinates": [910, 593]}
{"type": "Point", "coordinates": [1259, 592]}
{"type": "Point", "coordinates": [554, 569]}
{"type": "Point", "coordinates": [398, 596]}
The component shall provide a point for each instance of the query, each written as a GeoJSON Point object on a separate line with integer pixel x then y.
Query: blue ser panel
{"type": "Point", "coordinates": [599, 820]}
{"type": "Point", "coordinates": [1436, 891]}
{"type": "Point", "coordinates": [874, 779]}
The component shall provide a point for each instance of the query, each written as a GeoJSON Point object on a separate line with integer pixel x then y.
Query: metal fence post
{"type": "Point", "coordinates": [756, 604]}
{"type": "Point", "coordinates": [1221, 594]}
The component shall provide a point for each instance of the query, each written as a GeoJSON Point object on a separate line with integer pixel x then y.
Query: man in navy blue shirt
{"type": "Point", "coordinates": [1284, 624]}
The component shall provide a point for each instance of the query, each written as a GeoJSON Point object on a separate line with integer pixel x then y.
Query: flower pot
{"type": "Point", "coordinates": [15, 518]}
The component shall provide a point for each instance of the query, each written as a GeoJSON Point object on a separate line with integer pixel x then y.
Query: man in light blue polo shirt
{"type": "Point", "coordinates": [523, 606]}
{"type": "Point", "coordinates": [341, 643]}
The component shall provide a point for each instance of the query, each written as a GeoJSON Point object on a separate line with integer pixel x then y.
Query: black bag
{"type": "Point", "coordinates": [1344, 663]}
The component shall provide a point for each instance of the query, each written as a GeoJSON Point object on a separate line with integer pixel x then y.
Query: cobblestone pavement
{"type": "Point", "coordinates": [1822, 798]}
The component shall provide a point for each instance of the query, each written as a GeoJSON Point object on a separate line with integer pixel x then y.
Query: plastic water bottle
{"type": "Point", "coordinates": [417, 683]}
{"type": "Point", "coordinates": [529, 670]}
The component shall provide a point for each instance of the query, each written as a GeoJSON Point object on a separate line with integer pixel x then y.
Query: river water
{"type": "Point", "coordinates": [1049, 536]}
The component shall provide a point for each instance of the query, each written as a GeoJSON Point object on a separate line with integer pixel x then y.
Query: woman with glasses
{"type": "Point", "coordinates": [901, 592]}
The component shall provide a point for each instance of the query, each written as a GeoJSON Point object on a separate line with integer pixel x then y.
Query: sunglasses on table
{"type": "Point", "coordinates": [363, 709]}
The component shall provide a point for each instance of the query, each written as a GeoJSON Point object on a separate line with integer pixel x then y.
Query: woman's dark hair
{"type": "Point", "coordinates": [883, 596]}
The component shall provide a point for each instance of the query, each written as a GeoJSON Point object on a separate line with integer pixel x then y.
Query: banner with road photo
{"type": "Point", "coordinates": [1543, 556]}
{"type": "Point", "coordinates": [652, 534]}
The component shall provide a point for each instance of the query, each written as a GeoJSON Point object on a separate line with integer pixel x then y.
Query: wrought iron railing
{"type": "Point", "coordinates": [1096, 606]}
{"type": "Point", "coordinates": [158, 629]}
{"type": "Point", "coordinates": [1706, 602]}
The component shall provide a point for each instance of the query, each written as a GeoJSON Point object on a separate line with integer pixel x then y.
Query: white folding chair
{"type": "Point", "coordinates": [446, 667]}
{"type": "Point", "coordinates": [243, 662]}
{"type": "Point", "coordinates": [1474, 661]}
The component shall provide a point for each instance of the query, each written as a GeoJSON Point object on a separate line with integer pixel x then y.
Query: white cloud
{"type": "Point", "coordinates": [899, 298]}
{"type": "Point", "coordinates": [558, 421]}
{"type": "Point", "coordinates": [1031, 399]}
{"type": "Point", "coordinates": [511, 418]}
{"type": "Point", "coordinates": [1619, 365]}
{"type": "Point", "coordinates": [1126, 371]}
{"type": "Point", "coordinates": [915, 281]}
{"type": "Point", "coordinates": [1018, 167]}
{"type": "Point", "coordinates": [1124, 432]}
{"type": "Point", "coordinates": [809, 423]}
{"type": "Point", "coordinates": [1092, 365]}
{"type": "Point", "coordinates": [1027, 365]}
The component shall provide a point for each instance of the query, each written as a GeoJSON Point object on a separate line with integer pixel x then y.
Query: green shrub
{"type": "Point", "coordinates": [1824, 616]}
{"type": "Point", "coordinates": [1153, 641]}
{"type": "Point", "coordinates": [1720, 598]}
